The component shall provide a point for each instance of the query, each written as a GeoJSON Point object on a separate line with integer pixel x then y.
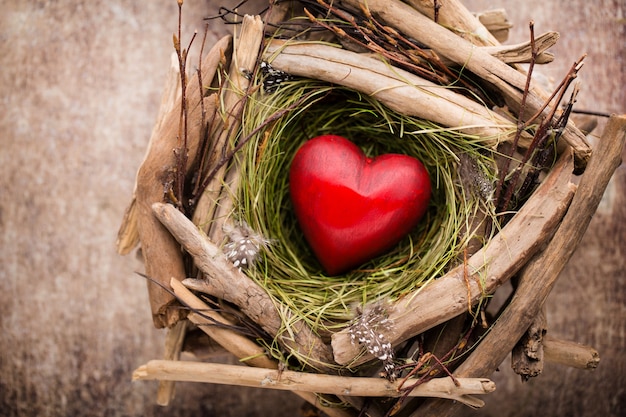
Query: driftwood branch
{"type": "Point", "coordinates": [232, 285]}
{"type": "Point", "coordinates": [497, 23]}
{"type": "Point", "coordinates": [540, 274]}
{"type": "Point", "coordinates": [309, 382]}
{"type": "Point", "coordinates": [397, 89]}
{"type": "Point", "coordinates": [522, 52]}
{"type": "Point", "coordinates": [509, 81]}
{"type": "Point", "coordinates": [491, 266]}
{"type": "Point", "coordinates": [570, 353]}
{"type": "Point", "coordinates": [455, 17]}
{"type": "Point", "coordinates": [162, 255]}
{"type": "Point", "coordinates": [214, 205]}
{"type": "Point", "coordinates": [527, 357]}
{"type": "Point", "coordinates": [128, 234]}
{"type": "Point", "coordinates": [216, 327]}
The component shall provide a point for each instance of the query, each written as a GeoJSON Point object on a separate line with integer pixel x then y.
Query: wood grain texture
{"type": "Point", "coordinates": [81, 86]}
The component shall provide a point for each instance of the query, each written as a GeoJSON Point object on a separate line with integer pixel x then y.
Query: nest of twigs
{"type": "Point", "coordinates": [417, 79]}
{"type": "Point", "coordinates": [287, 268]}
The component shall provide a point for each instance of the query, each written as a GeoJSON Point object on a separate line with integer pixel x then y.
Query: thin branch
{"type": "Point", "coordinates": [309, 382]}
{"type": "Point", "coordinates": [504, 172]}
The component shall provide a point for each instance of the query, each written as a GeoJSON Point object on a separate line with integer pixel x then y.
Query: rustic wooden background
{"type": "Point", "coordinates": [80, 85]}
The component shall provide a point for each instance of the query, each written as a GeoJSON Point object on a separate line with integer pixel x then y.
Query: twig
{"type": "Point", "coordinates": [570, 354]}
{"type": "Point", "coordinates": [504, 172]}
{"type": "Point", "coordinates": [543, 133]}
{"type": "Point", "coordinates": [436, 7]}
{"type": "Point", "coordinates": [181, 151]}
{"type": "Point", "coordinates": [383, 40]}
{"type": "Point", "coordinates": [200, 84]}
{"type": "Point", "coordinates": [309, 382]}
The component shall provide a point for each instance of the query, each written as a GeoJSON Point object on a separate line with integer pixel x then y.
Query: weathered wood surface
{"type": "Point", "coordinates": [460, 390]}
{"type": "Point", "coordinates": [81, 87]}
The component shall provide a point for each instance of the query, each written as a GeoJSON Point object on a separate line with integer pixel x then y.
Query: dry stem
{"type": "Point", "coordinates": [308, 382]}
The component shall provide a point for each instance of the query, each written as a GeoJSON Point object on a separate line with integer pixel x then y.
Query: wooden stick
{"type": "Point", "coordinates": [128, 235]}
{"type": "Point", "coordinates": [213, 206]}
{"type": "Point", "coordinates": [209, 320]}
{"type": "Point", "coordinates": [309, 382]}
{"type": "Point", "coordinates": [490, 267]}
{"type": "Point", "coordinates": [510, 82]}
{"type": "Point", "coordinates": [397, 89]}
{"type": "Point", "coordinates": [173, 346]}
{"type": "Point", "coordinates": [541, 273]}
{"type": "Point", "coordinates": [570, 354]}
{"type": "Point", "coordinates": [162, 255]}
{"type": "Point", "coordinates": [497, 23]}
{"type": "Point", "coordinates": [233, 286]}
{"type": "Point", "coordinates": [455, 17]}
{"type": "Point", "coordinates": [522, 52]}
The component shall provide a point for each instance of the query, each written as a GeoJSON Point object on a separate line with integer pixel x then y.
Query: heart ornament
{"type": "Point", "coordinates": [352, 208]}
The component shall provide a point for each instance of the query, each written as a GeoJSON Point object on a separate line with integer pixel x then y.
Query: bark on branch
{"type": "Point", "coordinates": [397, 89]}
{"type": "Point", "coordinates": [308, 382]}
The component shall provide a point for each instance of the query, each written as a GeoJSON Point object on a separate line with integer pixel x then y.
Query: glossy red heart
{"type": "Point", "coordinates": [352, 208]}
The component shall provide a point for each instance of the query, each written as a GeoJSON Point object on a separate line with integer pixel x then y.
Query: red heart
{"type": "Point", "coordinates": [352, 208]}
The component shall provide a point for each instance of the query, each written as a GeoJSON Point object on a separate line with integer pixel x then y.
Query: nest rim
{"type": "Point", "coordinates": [287, 269]}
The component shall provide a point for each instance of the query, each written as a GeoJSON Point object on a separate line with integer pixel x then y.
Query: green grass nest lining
{"type": "Point", "coordinates": [287, 269]}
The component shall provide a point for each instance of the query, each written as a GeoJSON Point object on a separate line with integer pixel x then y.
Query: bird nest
{"type": "Point", "coordinates": [422, 81]}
